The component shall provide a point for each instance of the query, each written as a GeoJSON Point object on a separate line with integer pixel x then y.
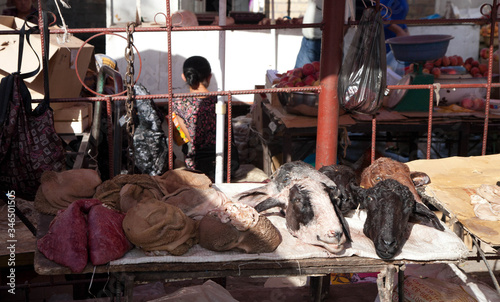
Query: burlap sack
{"type": "Point", "coordinates": [59, 189]}
{"type": "Point", "coordinates": [155, 225]}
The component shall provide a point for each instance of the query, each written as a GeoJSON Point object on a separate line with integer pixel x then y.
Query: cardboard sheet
{"type": "Point", "coordinates": [63, 81]}
{"type": "Point", "coordinates": [383, 115]}
{"type": "Point", "coordinates": [453, 180]}
{"type": "Point", "coordinates": [302, 121]}
{"type": "Point", "coordinates": [425, 244]}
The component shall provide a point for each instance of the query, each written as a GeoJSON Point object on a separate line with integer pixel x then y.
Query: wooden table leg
{"type": "Point", "coordinates": [319, 287]}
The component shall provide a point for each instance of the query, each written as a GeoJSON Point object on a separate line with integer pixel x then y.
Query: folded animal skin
{"type": "Point", "coordinates": [196, 203]}
{"type": "Point", "coordinates": [173, 180]}
{"type": "Point", "coordinates": [124, 191]}
{"type": "Point", "coordinates": [239, 227]}
{"type": "Point", "coordinates": [154, 225]}
{"type": "Point", "coordinates": [59, 189]}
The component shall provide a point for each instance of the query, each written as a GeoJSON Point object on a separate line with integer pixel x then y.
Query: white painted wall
{"type": "Point", "coordinates": [468, 7]}
{"type": "Point", "coordinates": [465, 42]}
{"type": "Point", "coordinates": [249, 54]}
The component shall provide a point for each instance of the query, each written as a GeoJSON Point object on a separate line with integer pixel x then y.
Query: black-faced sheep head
{"type": "Point", "coordinates": [345, 178]}
{"type": "Point", "coordinates": [390, 205]}
{"type": "Point", "coordinates": [388, 168]}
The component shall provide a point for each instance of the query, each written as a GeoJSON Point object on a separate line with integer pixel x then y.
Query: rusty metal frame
{"type": "Point", "coordinates": [330, 64]}
{"type": "Point", "coordinates": [333, 27]}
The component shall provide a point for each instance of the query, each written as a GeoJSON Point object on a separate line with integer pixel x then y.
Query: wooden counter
{"type": "Point", "coordinates": [275, 124]}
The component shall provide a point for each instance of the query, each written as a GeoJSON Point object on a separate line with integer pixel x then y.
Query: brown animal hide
{"type": "Point", "coordinates": [387, 168]}
{"type": "Point", "coordinates": [196, 203]}
{"type": "Point", "coordinates": [173, 180]}
{"type": "Point", "coordinates": [238, 226]}
{"type": "Point", "coordinates": [154, 225]}
{"type": "Point", "coordinates": [126, 190]}
{"type": "Point", "coordinates": [59, 189]}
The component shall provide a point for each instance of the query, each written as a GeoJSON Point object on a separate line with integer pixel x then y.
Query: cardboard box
{"type": "Point", "coordinates": [63, 81]}
{"type": "Point", "coordinates": [74, 118]}
{"type": "Point", "coordinates": [75, 112]}
{"type": "Point", "coordinates": [77, 126]}
{"type": "Point", "coordinates": [271, 79]}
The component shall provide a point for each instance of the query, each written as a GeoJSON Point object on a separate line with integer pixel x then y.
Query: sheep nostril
{"type": "Point", "coordinates": [389, 243]}
{"type": "Point", "coordinates": [336, 235]}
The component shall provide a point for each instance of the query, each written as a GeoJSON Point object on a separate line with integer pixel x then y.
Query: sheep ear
{"type": "Point", "coordinates": [359, 194]}
{"type": "Point", "coordinates": [334, 193]}
{"type": "Point", "coordinates": [420, 178]}
{"type": "Point", "coordinates": [424, 216]}
{"type": "Point", "coordinates": [345, 227]}
{"type": "Point", "coordinates": [269, 203]}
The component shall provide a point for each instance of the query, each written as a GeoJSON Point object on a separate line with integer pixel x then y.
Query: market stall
{"type": "Point", "coordinates": [293, 257]}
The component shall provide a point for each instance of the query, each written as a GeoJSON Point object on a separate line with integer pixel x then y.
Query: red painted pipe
{"type": "Point", "coordinates": [331, 60]}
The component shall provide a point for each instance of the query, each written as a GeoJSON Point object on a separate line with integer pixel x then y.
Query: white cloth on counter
{"type": "Point", "coordinates": [424, 244]}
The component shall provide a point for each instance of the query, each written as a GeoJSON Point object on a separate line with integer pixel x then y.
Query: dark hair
{"type": "Point", "coordinates": [196, 70]}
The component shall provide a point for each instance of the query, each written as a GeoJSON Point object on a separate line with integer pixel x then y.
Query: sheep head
{"type": "Point", "coordinates": [387, 168]}
{"type": "Point", "coordinates": [390, 205]}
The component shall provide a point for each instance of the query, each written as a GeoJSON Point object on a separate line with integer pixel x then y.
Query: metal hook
{"type": "Point", "coordinates": [54, 18]}
{"type": "Point", "coordinates": [487, 12]}
{"type": "Point", "coordinates": [164, 15]}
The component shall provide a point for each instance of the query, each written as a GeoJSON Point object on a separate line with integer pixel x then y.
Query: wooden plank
{"type": "Point", "coordinates": [23, 240]}
{"type": "Point", "coordinates": [82, 151]}
{"type": "Point", "coordinates": [453, 180]}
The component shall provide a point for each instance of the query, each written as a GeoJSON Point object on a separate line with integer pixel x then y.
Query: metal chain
{"type": "Point", "coordinates": [130, 102]}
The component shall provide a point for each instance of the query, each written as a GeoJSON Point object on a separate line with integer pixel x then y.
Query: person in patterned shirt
{"type": "Point", "coordinates": [196, 117]}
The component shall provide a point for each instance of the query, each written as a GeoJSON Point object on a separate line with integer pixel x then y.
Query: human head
{"type": "Point", "coordinates": [195, 71]}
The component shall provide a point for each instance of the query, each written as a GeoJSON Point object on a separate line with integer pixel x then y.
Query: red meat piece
{"type": "Point", "coordinates": [107, 241]}
{"type": "Point", "coordinates": [66, 241]}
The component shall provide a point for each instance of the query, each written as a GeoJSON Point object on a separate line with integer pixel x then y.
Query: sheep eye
{"type": "Point", "coordinates": [377, 179]}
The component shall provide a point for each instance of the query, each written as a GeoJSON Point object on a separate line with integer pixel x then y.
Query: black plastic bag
{"type": "Point", "coordinates": [362, 79]}
{"type": "Point", "coordinates": [149, 141]}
